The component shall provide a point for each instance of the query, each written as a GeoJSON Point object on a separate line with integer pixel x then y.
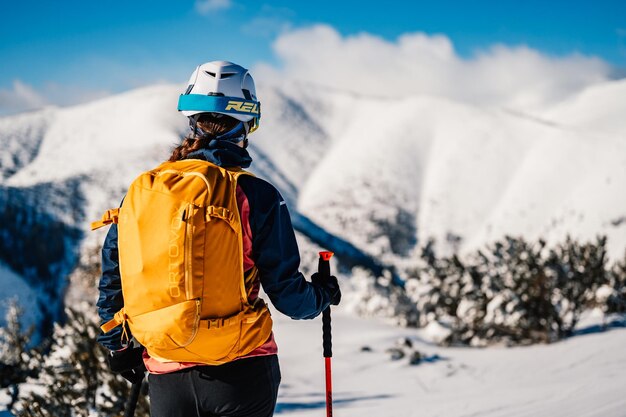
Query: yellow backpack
{"type": "Point", "coordinates": [181, 266]}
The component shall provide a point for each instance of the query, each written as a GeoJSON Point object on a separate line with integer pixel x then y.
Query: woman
{"type": "Point", "coordinates": [222, 107]}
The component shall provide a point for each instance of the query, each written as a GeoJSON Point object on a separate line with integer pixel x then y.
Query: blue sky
{"type": "Point", "coordinates": [70, 49]}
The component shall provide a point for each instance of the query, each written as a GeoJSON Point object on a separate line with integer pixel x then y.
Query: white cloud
{"type": "Point", "coordinates": [21, 97]}
{"type": "Point", "coordinates": [418, 63]}
{"type": "Point", "coordinates": [209, 6]}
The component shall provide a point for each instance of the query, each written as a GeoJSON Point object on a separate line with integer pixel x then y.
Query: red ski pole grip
{"type": "Point", "coordinates": [323, 265]}
{"type": "Point", "coordinates": [326, 255]}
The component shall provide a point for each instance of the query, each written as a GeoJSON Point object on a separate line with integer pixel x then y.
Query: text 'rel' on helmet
{"type": "Point", "coordinates": [225, 88]}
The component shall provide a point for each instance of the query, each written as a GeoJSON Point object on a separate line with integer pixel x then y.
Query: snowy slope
{"type": "Point", "coordinates": [445, 168]}
{"type": "Point", "coordinates": [599, 108]}
{"type": "Point", "coordinates": [583, 376]}
{"type": "Point", "coordinates": [20, 291]}
{"type": "Point", "coordinates": [115, 136]}
{"type": "Point", "coordinates": [21, 138]}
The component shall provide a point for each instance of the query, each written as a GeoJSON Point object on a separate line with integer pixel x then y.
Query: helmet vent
{"type": "Point", "coordinates": [227, 75]}
{"type": "Point", "coordinates": [212, 74]}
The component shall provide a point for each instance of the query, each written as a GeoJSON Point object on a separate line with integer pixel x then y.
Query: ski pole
{"type": "Point", "coordinates": [323, 269]}
{"type": "Point", "coordinates": [133, 398]}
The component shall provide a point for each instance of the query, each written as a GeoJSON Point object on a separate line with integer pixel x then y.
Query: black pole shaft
{"type": "Point", "coordinates": [326, 334]}
{"type": "Point", "coordinates": [133, 398]}
{"type": "Point", "coordinates": [323, 269]}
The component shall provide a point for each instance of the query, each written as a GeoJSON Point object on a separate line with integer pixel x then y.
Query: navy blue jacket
{"type": "Point", "coordinates": [274, 251]}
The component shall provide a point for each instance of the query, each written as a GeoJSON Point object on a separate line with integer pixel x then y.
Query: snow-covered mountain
{"type": "Point", "coordinates": [441, 168]}
{"type": "Point", "coordinates": [368, 177]}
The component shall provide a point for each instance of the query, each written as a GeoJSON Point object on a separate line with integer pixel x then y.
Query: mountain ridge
{"type": "Point", "coordinates": [378, 176]}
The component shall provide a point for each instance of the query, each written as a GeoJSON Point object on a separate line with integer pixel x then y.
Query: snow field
{"type": "Point", "coordinates": [583, 376]}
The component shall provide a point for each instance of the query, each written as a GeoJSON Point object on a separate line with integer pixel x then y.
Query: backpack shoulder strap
{"type": "Point", "coordinates": [241, 172]}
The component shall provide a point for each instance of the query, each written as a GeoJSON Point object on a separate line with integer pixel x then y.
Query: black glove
{"type": "Point", "coordinates": [330, 285]}
{"type": "Point", "coordinates": [128, 363]}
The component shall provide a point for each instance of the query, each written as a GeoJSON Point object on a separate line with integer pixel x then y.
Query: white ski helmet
{"type": "Point", "coordinates": [225, 88]}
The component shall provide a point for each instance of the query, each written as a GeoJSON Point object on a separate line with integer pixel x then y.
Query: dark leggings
{"type": "Point", "coordinates": [242, 388]}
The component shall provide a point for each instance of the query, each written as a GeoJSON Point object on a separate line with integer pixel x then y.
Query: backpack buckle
{"type": "Point", "coordinates": [216, 323]}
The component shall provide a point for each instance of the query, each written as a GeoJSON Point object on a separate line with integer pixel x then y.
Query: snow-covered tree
{"type": "Point", "coordinates": [14, 352]}
{"type": "Point", "coordinates": [515, 291]}
{"type": "Point", "coordinates": [611, 297]}
{"type": "Point", "coordinates": [376, 296]}
{"type": "Point", "coordinates": [578, 270]}
{"type": "Point", "coordinates": [74, 379]}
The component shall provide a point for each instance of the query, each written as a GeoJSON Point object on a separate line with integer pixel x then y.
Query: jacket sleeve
{"type": "Point", "coordinates": [276, 255]}
{"type": "Point", "coordinates": [110, 300]}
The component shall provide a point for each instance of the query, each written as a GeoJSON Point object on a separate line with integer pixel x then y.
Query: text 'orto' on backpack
{"type": "Point", "coordinates": [181, 266]}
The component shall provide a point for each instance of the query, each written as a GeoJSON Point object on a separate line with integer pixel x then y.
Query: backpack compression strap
{"type": "Point", "coordinates": [247, 316]}
{"type": "Point", "coordinates": [119, 318]}
{"type": "Point", "coordinates": [109, 216]}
